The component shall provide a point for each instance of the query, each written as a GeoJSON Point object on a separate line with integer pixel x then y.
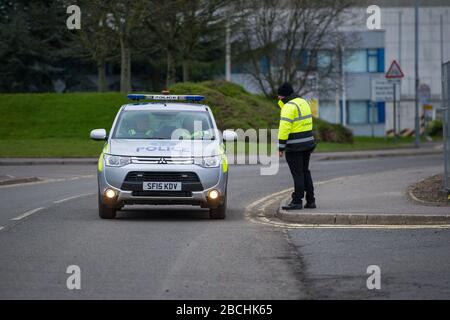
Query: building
{"type": "Point", "coordinates": [362, 59]}
{"type": "Point", "coordinates": [398, 22]}
{"type": "Point", "coordinates": [372, 56]}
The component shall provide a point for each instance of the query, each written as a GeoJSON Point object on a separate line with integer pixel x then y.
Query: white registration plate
{"type": "Point", "coordinates": [162, 186]}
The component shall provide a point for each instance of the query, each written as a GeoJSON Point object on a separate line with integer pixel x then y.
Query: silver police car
{"type": "Point", "coordinates": [165, 152]}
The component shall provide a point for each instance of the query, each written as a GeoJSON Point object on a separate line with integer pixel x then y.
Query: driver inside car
{"type": "Point", "coordinates": [141, 127]}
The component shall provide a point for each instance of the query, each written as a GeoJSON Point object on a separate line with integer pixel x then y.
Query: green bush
{"type": "Point", "coordinates": [327, 132]}
{"type": "Point", "coordinates": [435, 128]}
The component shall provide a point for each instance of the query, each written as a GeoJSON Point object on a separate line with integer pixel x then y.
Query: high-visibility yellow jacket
{"type": "Point", "coordinates": [296, 124]}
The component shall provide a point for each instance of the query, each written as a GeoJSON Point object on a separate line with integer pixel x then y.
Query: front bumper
{"type": "Point", "coordinates": [210, 178]}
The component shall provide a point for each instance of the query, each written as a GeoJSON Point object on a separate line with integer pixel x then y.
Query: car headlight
{"type": "Point", "coordinates": [116, 161]}
{"type": "Point", "coordinates": [208, 162]}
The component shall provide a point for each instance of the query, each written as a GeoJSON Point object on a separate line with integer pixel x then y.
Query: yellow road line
{"type": "Point", "coordinates": [256, 213]}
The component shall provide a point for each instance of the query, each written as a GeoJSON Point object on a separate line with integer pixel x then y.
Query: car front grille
{"type": "Point", "coordinates": [189, 180]}
{"type": "Point", "coordinates": [162, 160]}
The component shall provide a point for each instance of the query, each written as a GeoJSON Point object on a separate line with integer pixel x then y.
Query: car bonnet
{"type": "Point", "coordinates": [163, 148]}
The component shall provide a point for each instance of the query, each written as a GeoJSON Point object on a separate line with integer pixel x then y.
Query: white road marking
{"type": "Point", "coordinates": [271, 198]}
{"type": "Point", "coordinates": [10, 176]}
{"type": "Point", "coordinates": [27, 214]}
{"type": "Point", "coordinates": [1, 228]}
{"type": "Point", "coordinates": [266, 201]}
{"type": "Point", "coordinates": [73, 197]}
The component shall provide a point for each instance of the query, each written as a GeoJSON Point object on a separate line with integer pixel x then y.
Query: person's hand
{"type": "Point", "coordinates": [281, 153]}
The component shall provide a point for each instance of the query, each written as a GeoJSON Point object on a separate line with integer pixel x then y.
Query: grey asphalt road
{"type": "Point", "coordinates": [178, 253]}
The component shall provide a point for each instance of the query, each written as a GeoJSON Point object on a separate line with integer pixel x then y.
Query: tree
{"type": "Point", "coordinates": [127, 22]}
{"type": "Point", "coordinates": [280, 43]}
{"type": "Point", "coordinates": [163, 22]}
{"type": "Point", "coordinates": [183, 30]}
{"type": "Point", "coordinates": [202, 21]}
{"type": "Point", "coordinates": [31, 35]}
{"type": "Point", "coordinates": [96, 40]}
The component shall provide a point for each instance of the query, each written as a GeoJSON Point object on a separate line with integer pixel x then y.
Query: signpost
{"type": "Point", "coordinates": [394, 75]}
{"type": "Point", "coordinates": [424, 101]}
{"type": "Point", "coordinates": [446, 133]}
{"type": "Point", "coordinates": [381, 91]}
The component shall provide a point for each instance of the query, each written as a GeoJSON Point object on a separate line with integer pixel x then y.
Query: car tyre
{"type": "Point", "coordinates": [104, 211]}
{"type": "Point", "coordinates": [220, 211]}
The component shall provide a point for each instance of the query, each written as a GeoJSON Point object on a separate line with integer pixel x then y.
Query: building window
{"type": "Point", "coordinates": [327, 110]}
{"type": "Point", "coordinates": [381, 111]}
{"type": "Point", "coordinates": [324, 59]}
{"type": "Point", "coordinates": [357, 112]}
{"type": "Point", "coordinates": [364, 60]}
{"type": "Point", "coordinates": [372, 60]}
{"type": "Point", "coordinates": [355, 61]}
{"type": "Point", "coordinates": [363, 112]}
{"type": "Point", "coordinates": [307, 60]}
{"type": "Point", "coordinates": [373, 113]}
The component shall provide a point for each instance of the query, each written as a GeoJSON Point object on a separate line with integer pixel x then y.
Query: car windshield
{"type": "Point", "coordinates": [164, 125]}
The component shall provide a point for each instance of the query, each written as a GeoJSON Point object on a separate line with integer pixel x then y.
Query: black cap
{"type": "Point", "coordinates": [285, 90]}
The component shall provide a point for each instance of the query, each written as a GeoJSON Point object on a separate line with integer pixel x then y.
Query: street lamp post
{"type": "Point", "coordinates": [416, 67]}
{"type": "Point", "coordinates": [227, 53]}
{"type": "Point", "coordinates": [400, 62]}
{"type": "Point", "coordinates": [344, 89]}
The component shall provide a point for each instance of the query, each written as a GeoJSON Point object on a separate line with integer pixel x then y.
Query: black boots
{"type": "Point", "coordinates": [299, 206]}
{"type": "Point", "coordinates": [311, 205]}
{"type": "Point", "coordinates": [293, 206]}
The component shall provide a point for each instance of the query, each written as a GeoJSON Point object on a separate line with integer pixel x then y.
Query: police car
{"type": "Point", "coordinates": [166, 151]}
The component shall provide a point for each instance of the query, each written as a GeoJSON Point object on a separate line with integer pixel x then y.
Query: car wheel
{"type": "Point", "coordinates": [220, 211]}
{"type": "Point", "coordinates": [104, 211]}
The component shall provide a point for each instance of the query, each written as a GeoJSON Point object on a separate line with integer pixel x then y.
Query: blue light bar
{"type": "Point", "coordinates": [164, 97]}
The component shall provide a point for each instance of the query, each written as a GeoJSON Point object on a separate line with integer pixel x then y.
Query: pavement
{"type": "Point", "coordinates": [166, 252]}
{"type": "Point", "coordinates": [373, 198]}
{"type": "Point", "coordinates": [425, 149]}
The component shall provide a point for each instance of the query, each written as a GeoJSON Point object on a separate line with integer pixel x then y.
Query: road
{"type": "Point", "coordinates": [169, 253]}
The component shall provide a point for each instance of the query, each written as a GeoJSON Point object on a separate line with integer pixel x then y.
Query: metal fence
{"type": "Point", "coordinates": [446, 122]}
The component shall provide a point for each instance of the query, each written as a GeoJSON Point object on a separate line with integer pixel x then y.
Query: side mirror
{"type": "Point", "coordinates": [229, 135]}
{"type": "Point", "coordinates": [98, 134]}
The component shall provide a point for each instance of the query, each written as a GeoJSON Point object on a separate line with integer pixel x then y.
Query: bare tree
{"type": "Point", "coordinates": [127, 20]}
{"type": "Point", "coordinates": [96, 39]}
{"type": "Point", "coordinates": [281, 40]}
{"type": "Point", "coordinates": [180, 28]}
{"type": "Point", "coordinates": [201, 21]}
{"type": "Point", "coordinates": [163, 22]}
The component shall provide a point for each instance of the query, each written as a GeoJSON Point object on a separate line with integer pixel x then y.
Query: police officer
{"type": "Point", "coordinates": [141, 127]}
{"type": "Point", "coordinates": [193, 129]}
{"type": "Point", "coordinates": [296, 141]}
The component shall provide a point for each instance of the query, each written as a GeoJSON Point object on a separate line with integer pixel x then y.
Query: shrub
{"type": "Point", "coordinates": [327, 132]}
{"type": "Point", "coordinates": [435, 128]}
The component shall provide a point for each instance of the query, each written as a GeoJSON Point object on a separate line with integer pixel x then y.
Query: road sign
{"type": "Point", "coordinates": [394, 71]}
{"type": "Point", "coordinates": [424, 94]}
{"type": "Point", "coordinates": [382, 90]}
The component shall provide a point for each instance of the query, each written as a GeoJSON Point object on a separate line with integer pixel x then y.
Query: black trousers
{"type": "Point", "coordinates": [299, 165]}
